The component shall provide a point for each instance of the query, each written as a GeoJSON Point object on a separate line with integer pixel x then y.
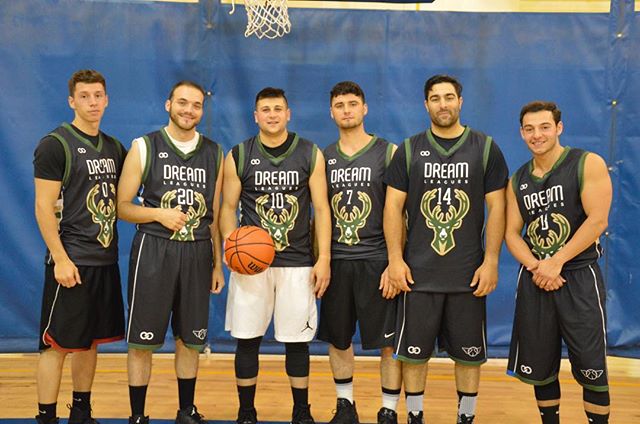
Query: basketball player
{"type": "Point", "coordinates": [562, 196]}
{"type": "Point", "coordinates": [77, 167]}
{"type": "Point", "coordinates": [356, 164]}
{"type": "Point", "coordinates": [444, 176]}
{"type": "Point", "coordinates": [175, 257]}
{"type": "Point", "coordinates": [274, 177]}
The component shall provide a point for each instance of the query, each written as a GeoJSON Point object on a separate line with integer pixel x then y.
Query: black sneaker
{"type": "Point", "coordinates": [345, 413]}
{"type": "Point", "coordinates": [139, 419]}
{"type": "Point", "coordinates": [465, 419]}
{"type": "Point", "coordinates": [79, 416]}
{"type": "Point", "coordinates": [39, 420]}
{"type": "Point", "coordinates": [415, 419]}
{"type": "Point", "coordinates": [189, 415]}
{"type": "Point", "coordinates": [247, 416]}
{"type": "Point", "coordinates": [387, 416]}
{"type": "Point", "coordinates": [302, 415]}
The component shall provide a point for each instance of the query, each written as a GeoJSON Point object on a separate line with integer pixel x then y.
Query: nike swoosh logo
{"type": "Point", "coordinates": [42, 412]}
{"type": "Point", "coordinates": [77, 400]}
{"type": "Point", "coordinates": [386, 336]}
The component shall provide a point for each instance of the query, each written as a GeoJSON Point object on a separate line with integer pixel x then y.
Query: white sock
{"type": "Point", "coordinates": [467, 405]}
{"type": "Point", "coordinates": [390, 400]}
{"type": "Point", "coordinates": [345, 391]}
{"type": "Point", "coordinates": [415, 403]}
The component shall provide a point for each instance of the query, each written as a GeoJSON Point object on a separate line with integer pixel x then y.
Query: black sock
{"type": "Point", "coordinates": [300, 396]}
{"type": "Point", "coordinates": [597, 418]}
{"type": "Point", "coordinates": [247, 395]}
{"type": "Point", "coordinates": [82, 400]}
{"type": "Point", "coordinates": [550, 414]}
{"type": "Point", "coordinates": [137, 398]}
{"type": "Point", "coordinates": [47, 411]}
{"type": "Point", "coordinates": [186, 391]}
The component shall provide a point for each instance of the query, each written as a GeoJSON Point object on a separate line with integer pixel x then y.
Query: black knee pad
{"type": "Point", "coordinates": [246, 361]}
{"type": "Point", "coordinates": [597, 398]}
{"type": "Point", "coordinates": [549, 391]}
{"type": "Point", "coordinates": [297, 359]}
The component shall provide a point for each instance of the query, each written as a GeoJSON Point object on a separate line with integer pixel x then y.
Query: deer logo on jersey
{"type": "Point", "coordinates": [443, 225]}
{"type": "Point", "coordinates": [350, 222]}
{"type": "Point", "coordinates": [103, 214]}
{"type": "Point", "coordinates": [193, 215]}
{"type": "Point", "coordinates": [545, 247]}
{"type": "Point", "coordinates": [278, 226]}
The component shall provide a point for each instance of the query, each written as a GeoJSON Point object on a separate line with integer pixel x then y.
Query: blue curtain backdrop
{"type": "Point", "coordinates": [588, 63]}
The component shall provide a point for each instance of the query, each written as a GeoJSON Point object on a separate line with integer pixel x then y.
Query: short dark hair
{"type": "Point", "coordinates": [439, 79]}
{"type": "Point", "coordinates": [188, 83]}
{"type": "Point", "coordinates": [346, 87]}
{"type": "Point", "coordinates": [87, 76]}
{"type": "Point", "coordinates": [540, 105]}
{"type": "Point", "coordinates": [271, 93]}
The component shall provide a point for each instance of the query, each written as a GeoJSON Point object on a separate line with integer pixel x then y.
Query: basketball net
{"type": "Point", "coordinates": [266, 18]}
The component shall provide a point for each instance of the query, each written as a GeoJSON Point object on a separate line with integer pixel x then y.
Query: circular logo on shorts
{"type": "Point", "coordinates": [255, 161]}
{"type": "Point", "coordinates": [146, 335]}
{"type": "Point", "coordinates": [414, 350]}
{"type": "Point", "coordinates": [332, 161]}
{"type": "Point", "coordinates": [525, 369]}
{"type": "Point", "coordinates": [163, 155]}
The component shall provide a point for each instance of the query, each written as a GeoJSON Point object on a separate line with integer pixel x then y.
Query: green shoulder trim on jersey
{"type": "Point", "coordinates": [89, 144]}
{"type": "Point", "coordinates": [581, 164]}
{"type": "Point", "coordinates": [147, 161]}
{"type": "Point", "coordinates": [360, 152]}
{"type": "Point", "coordinates": [389, 156]}
{"type": "Point", "coordinates": [454, 148]}
{"type": "Point", "coordinates": [219, 161]}
{"type": "Point", "coordinates": [119, 146]}
{"type": "Point", "coordinates": [177, 151]}
{"type": "Point", "coordinates": [314, 155]}
{"type": "Point", "coordinates": [407, 153]}
{"type": "Point", "coordinates": [240, 166]}
{"type": "Point", "coordinates": [561, 159]}
{"type": "Point", "coordinates": [485, 153]}
{"type": "Point", "coordinates": [514, 182]}
{"type": "Point", "coordinates": [67, 157]}
{"type": "Point", "coordinates": [277, 160]}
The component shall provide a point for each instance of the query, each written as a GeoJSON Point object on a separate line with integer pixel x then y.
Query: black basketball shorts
{"type": "Point", "coordinates": [575, 314]}
{"type": "Point", "coordinates": [456, 320]}
{"type": "Point", "coordinates": [353, 295]}
{"type": "Point", "coordinates": [168, 279]}
{"type": "Point", "coordinates": [77, 318]}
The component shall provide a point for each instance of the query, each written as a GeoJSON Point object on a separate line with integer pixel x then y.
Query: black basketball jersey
{"type": "Point", "coordinates": [86, 208]}
{"type": "Point", "coordinates": [356, 194]}
{"type": "Point", "coordinates": [445, 210]}
{"type": "Point", "coordinates": [551, 207]}
{"type": "Point", "coordinates": [275, 196]}
{"type": "Point", "coordinates": [172, 179]}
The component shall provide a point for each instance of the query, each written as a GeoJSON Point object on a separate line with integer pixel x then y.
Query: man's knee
{"type": "Point", "coordinates": [297, 359]}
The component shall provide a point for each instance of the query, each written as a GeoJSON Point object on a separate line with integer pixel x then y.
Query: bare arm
{"type": "Point", "coordinates": [321, 273]}
{"type": "Point", "coordinates": [128, 186]}
{"type": "Point", "coordinates": [486, 276]}
{"type": "Point", "coordinates": [389, 291]}
{"type": "Point", "coordinates": [231, 188]}
{"type": "Point", "coordinates": [596, 200]}
{"type": "Point", "coordinates": [47, 192]}
{"type": "Point", "coordinates": [398, 271]}
{"type": "Point", "coordinates": [217, 279]}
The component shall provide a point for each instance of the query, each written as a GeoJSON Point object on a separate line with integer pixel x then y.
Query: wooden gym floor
{"type": "Point", "coordinates": [503, 399]}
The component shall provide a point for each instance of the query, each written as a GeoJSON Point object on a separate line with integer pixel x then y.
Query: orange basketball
{"type": "Point", "coordinates": [249, 250]}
